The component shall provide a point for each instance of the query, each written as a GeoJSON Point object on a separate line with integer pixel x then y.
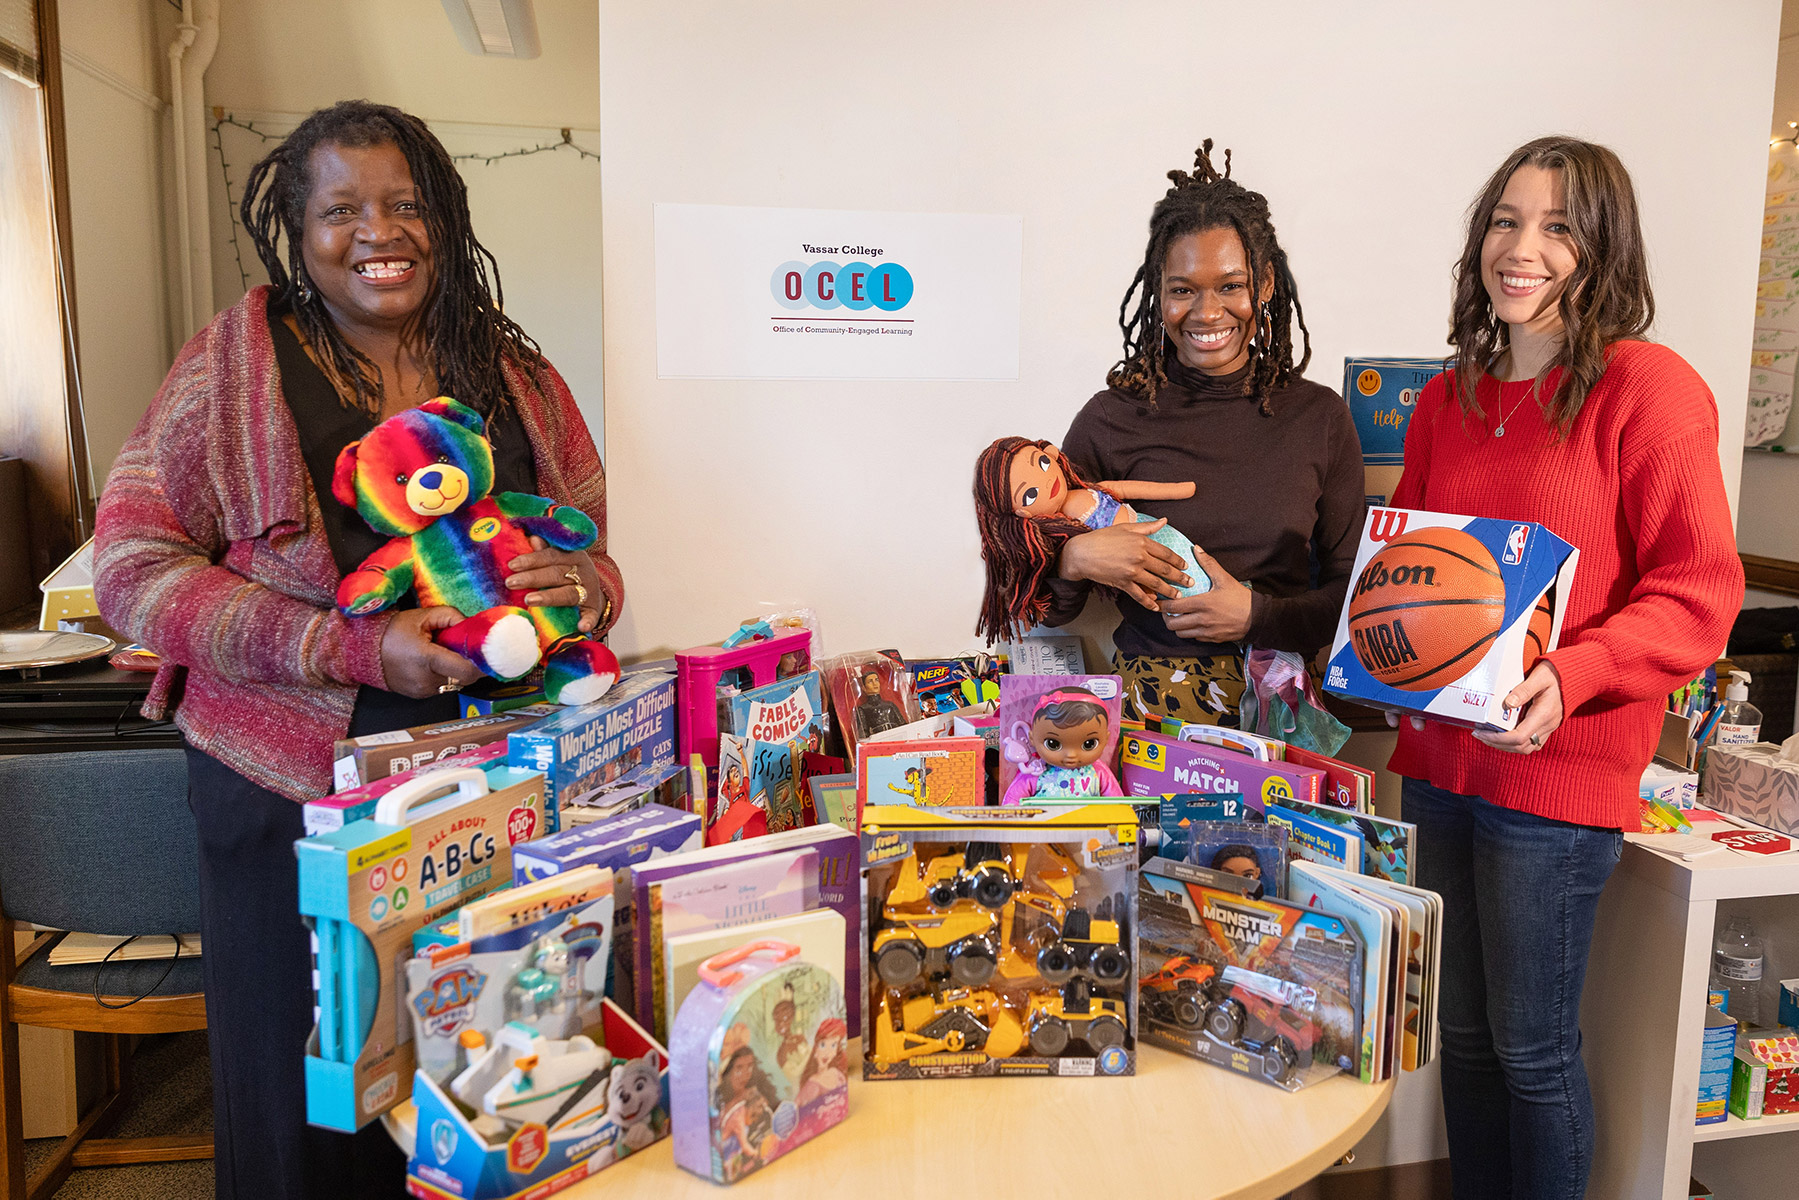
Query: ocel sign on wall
{"type": "Point", "coordinates": [776, 293]}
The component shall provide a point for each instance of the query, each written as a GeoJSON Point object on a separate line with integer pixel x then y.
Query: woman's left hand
{"type": "Point", "coordinates": [1540, 696]}
{"type": "Point", "coordinates": [1218, 615]}
{"type": "Point", "coordinates": [546, 571]}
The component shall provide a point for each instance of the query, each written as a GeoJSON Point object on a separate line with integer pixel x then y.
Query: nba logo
{"type": "Point", "coordinates": [1514, 545]}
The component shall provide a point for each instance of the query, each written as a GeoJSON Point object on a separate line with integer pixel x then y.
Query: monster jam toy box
{"type": "Point", "coordinates": [1446, 614]}
{"type": "Point", "coordinates": [1260, 987]}
{"type": "Point", "coordinates": [434, 844]}
{"type": "Point", "coordinates": [630, 729]}
{"type": "Point", "coordinates": [1000, 944]}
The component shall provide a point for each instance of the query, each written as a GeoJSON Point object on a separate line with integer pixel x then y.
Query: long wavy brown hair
{"type": "Point", "coordinates": [1608, 298]}
{"type": "Point", "coordinates": [1020, 552]}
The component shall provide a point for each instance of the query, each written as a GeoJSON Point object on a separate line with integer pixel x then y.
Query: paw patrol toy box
{"type": "Point", "coordinates": [1002, 941]}
{"type": "Point", "coordinates": [433, 844]}
{"type": "Point", "coordinates": [1448, 614]}
{"type": "Point", "coordinates": [628, 731]}
{"type": "Point", "coordinates": [549, 1112]}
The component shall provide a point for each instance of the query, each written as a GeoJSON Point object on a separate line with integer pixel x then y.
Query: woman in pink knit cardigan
{"type": "Point", "coordinates": [220, 546]}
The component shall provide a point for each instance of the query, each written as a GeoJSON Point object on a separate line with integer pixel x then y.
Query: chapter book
{"type": "Point", "coordinates": [758, 792]}
{"type": "Point", "coordinates": [837, 885]}
{"type": "Point", "coordinates": [1153, 764]}
{"type": "Point", "coordinates": [1345, 784]}
{"type": "Point", "coordinates": [818, 933]}
{"type": "Point", "coordinates": [833, 799]}
{"type": "Point", "coordinates": [1387, 845]}
{"type": "Point", "coordinates": [928, 773]}
{"type": "Point", "coordinates": [1330, 891]}
{"type": "Point", "coordinates": [1319, 841]}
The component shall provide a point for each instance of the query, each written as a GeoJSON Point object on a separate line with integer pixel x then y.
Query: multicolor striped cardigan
{"type": "Point", "coordinates": [210, 550]}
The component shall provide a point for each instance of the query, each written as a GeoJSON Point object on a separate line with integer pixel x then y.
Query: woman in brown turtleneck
{"type": "Point", "coordinates": [1208, 391]}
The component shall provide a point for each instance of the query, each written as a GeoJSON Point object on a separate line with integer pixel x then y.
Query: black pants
{"type": "Point", "coordinates": [257, 960]}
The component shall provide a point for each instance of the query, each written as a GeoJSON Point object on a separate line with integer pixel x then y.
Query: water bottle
{"type": "Point", "coordinates": [1737, 961]}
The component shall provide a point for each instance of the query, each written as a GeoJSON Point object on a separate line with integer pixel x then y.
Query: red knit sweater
{"type": "Point", "coordinates": [1637, 487]}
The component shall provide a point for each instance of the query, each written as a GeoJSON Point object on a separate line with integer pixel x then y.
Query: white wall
{"type": "Point", "coordinates": [1369, 127]}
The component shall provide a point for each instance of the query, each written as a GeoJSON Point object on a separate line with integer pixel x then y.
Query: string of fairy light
{"type": "Point", "coordinates": [222, 118]}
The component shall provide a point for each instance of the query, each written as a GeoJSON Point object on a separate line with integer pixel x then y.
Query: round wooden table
{"type": "Point", "coordinates": [1176, 1128]}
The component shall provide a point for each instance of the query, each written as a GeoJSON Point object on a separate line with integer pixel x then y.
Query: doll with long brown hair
{"type": "Point", "coordinates": [1029, 499]}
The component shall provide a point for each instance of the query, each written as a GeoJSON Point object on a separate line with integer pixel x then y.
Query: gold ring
{"type": "Point", "coordinates": [573, 575]}
{"type": "Point", "coordinates": [450, 684]}
{"type": "Point", "coordinates": [580, 594]}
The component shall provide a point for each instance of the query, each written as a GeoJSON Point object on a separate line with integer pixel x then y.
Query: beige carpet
{"type": "Point", "coordinates": [171, 1093]}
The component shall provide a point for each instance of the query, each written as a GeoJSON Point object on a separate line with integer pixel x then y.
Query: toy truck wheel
{"type": "Point", "coordinates": [1110, 964]}
{"type": "Point", "coordinates": [1224, 1021]}
{"type": "Point", "coordinates": [972, 961]}
{"type": "Point", "coordinates": [991, 888]}
{"type": "Point", "coordinates": [899, 963]}
{"type": "Point", "coordinates": [1278, 1060]}
{"type": "Point", "coordinates": [1188, 1012]}
{"type": "Point", "coordinates": [1049, 1037]}
{"type": "Point", "coordinates": [1104, 1032]}
{"type": "Point", "coordinates": [942, 894]}
{"type": "Point", "coordinates": [1055, 962]}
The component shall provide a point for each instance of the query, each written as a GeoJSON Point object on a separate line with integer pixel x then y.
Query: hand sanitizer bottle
{"type": "Point", "coordinates": [1741, 722]}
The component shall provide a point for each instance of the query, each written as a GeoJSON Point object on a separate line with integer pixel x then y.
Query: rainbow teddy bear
{"type": "Point", "coordinates": [423, 476]}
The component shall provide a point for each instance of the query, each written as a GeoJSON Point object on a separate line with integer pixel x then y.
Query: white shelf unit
{"type": "Point", "coordinates": [1643, 1014]}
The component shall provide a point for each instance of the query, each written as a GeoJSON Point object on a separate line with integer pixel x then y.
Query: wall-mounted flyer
{"type": "Point", "coordinates": [783, 293]}
{"type": "Point", "coordinates": [1382, 394]}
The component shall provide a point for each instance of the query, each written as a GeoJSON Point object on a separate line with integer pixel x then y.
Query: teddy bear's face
{"type": "Point", "coordinates": [416, 466]}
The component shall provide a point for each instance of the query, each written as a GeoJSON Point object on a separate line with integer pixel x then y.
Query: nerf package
{"type": "Point", "coordinates": [1448, 614]}
{"type": "Point", "coordinates": [360, 760]}
{"type": "Point", "coordinates": [550, 1111]}
{"type": "Point", "coordinates": [1003, 941]}
{"type": "Point", "coordinates": [1260, 987]}
{"type": "Point", "coordinates": [365, 889]}
{"type": "Point", "coordinates": [628, 732]}
{"type": "Point", "coordinates": [1153, 764]}
{"type": "Point", "coordinates": [761, 1060]}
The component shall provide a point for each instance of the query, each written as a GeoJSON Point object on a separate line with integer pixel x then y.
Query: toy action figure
{"type": "Point", "coordinates": [1061, 748]}
{"type": "Point", "coordinates": [874, 712]}
{"type": "Point", "coordinates": [1029, 500]}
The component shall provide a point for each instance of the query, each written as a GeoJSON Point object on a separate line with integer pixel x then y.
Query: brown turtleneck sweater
{"type": "Point", "coordinates": [1275, 493]}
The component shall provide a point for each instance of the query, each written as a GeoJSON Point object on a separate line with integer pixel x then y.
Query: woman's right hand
{"type": "Point", "coordinates": [413, 664]}
{"type": "Point", "coordinates": [1125, 557]}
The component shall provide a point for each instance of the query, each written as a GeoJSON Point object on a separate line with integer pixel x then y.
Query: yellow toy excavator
{"type": "Point", "coordinates": [955, 1021]}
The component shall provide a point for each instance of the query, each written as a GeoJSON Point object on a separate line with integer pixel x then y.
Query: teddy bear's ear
{"type": "Point", "coordinates": [343, 480]}
{"type": "Point", "coordinates": [455, 410]}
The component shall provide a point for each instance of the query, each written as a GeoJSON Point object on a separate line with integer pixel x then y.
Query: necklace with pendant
{"type": "Point", "coordinates": [1500, 431]}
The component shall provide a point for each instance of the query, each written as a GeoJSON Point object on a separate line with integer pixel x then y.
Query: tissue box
{"type": "Point", "coordinates": [1754, 782]}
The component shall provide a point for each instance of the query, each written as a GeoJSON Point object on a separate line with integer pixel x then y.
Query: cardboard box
{"type": "Point", "coordinates": [1447, 613]}
{"type": "Point", "coordinates": [366, 889]}
{"type": "Point", "coordinates": [360, 760]}
{"type": "Point", "coordinates": [1717, 1055]}
{"type": "Point", "coordinates": [621, 841]}
{"type": "Point", "coordinates": [1753, 782]}
{"type": "Point", "coordinates": [341, 808]}
{"type": "Point", "coordinates": [582, 750]}
{"type": "Point", "coordinates": [1748, 1084]}
{"type": "Point", "coordinates": [1152, 764]}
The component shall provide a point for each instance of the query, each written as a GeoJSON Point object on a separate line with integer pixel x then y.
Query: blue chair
{"type": "Point", "coordinates": [101, 842]}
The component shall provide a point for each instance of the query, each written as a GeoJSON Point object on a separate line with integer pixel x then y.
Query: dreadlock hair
{"type": "Point", "coordinates": [465, 332]}
{"type": "Point", "coordinates": [1607, 298]}
{"type": "Point", "coordinates": [1198, 202]}
{"type": "Point", "coordinates": [1020, 552]}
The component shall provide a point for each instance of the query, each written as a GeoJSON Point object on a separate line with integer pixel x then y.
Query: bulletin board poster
{"type": "Point", "coordinates": [787, 293]}
{"type": "Point", "coordinates": [1382, 392]}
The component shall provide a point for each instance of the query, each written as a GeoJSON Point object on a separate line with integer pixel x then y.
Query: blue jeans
{"type": "Point", "coordinates": [1519, 896]}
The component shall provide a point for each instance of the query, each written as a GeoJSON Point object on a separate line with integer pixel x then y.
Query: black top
{"type": "Point", "coordinates": [326, 425]}
{"type": "Point", "coordinates": [1279, 502]}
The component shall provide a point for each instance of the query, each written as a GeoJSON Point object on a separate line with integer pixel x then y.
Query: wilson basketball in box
{"type": "Point", "coordinates": [1447, 614]}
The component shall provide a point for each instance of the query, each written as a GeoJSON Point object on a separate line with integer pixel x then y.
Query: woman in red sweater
{"type": "Point", "coordinates": [1556, 412]}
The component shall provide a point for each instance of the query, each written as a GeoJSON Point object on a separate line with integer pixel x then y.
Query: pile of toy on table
{"type": "Point", "coordinates": [752, 857]}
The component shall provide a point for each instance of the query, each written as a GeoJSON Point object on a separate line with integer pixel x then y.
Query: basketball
{"type": "Point", "coordinates": [1536, 635]}
{"type": "Point", "coordinates": [1426, 608]}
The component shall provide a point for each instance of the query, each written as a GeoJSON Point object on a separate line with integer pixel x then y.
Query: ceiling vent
{"type": "Point", "coordinates": [495, 28]}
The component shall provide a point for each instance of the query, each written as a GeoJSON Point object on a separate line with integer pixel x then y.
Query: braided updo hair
{"type": "Point", "coordinates": [465, 332]}
{"type": "Point", "coordinates": [1201, 200]}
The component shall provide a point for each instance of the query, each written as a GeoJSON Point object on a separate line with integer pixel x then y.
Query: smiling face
{"type": "Point", "coordinates": [364, 242]}
{"type": "Point", "coordinates": [1207, 309]}
{"type": "Point", "coordinates": [1037, 486]}
{"type": "Point", "coordinates": [1528, 255]}
{"type": "Point", "coordinates": [1076, 745]}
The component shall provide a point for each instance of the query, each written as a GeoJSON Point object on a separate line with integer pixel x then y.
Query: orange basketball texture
{"type": "Point", "coordinates": [1425, 608]}
{"type": "Point", "coordinates": [1536, 635]}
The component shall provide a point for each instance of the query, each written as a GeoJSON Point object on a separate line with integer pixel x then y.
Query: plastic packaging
{"type": "Point", "coordinates": [1741, 722]}
{"type": "Point", "coordinates": [1737, 964]}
